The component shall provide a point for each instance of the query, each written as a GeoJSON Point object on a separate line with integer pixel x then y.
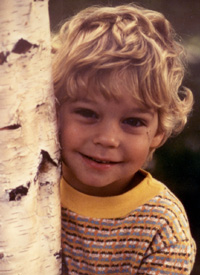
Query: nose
{"type": "Point", "coordinates": [107, 135]}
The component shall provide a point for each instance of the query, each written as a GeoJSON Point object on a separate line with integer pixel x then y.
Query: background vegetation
{"type": "Point", "coordinates": [177, 163]}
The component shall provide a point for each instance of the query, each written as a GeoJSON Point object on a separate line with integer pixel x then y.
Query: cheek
{"type": "Point", "coordinates": [139, 148]}
{"type": "Point", "coordinates": [149, 136]}
{"type": "Point", "coordinates": [69, 136]}
{"type": "Point", "coordinates": [66, 137]}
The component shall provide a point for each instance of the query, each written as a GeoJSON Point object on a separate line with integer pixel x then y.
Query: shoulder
{"type": "Point", "coordinates": [172, 237]}
{"type": "Point", "coordinates": [168, 204]}
{"type": "Point", "coordinates": [167, 214]}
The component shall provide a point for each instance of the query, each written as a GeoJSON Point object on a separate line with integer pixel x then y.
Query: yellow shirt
{"type": "Point", "coordinates": [143, 231]}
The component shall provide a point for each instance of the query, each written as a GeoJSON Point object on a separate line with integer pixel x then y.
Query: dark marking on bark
{"type": "Point", "coordinates": [23, 46]}
{"type": "Point", "coordinates": [11, 127]}
{"type": "Point", "coordinates": [3, 57]}
{"type": "Point", "coordinates": [44, 183]}
{"type": "Point", "coordinates": [39, 105]}
{"type": "Point", "coordinates": [1, 256]}
{"type": "Point", "coordinates": [35, 179]}
{"type": "Point", "coordinates": [46, 164]}
{"type": "Point", "coordinates": [58, 255]}
{"type": "Point", "coordinates": [46, 158]}
{"type": "Point", "coordinates": [17, 193]}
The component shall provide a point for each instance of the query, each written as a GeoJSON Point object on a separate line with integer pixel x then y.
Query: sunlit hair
{"type": "Point", "coordinates": [119, 50]}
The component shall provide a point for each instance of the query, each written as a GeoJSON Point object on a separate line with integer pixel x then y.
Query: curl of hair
{"type": "Point", "coordinates": [124, 49]}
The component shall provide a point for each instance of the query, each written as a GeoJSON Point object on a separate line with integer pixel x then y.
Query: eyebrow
{"type": "Point", "coordinates": [143, 111]}
{"type": "Point", "coordinates": [139, 110]}
{"type": "Point", "coordinates": [81, 99]}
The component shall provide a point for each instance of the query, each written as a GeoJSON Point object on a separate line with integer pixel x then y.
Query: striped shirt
{"type": "Point", "coordinates": [143, 231]}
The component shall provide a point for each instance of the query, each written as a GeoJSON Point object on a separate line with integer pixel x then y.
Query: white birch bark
{"type": "Point", "coordinates": [29, 153]}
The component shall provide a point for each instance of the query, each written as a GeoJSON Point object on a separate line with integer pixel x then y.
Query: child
{"type": "Point", "coordinates": [117, 75]}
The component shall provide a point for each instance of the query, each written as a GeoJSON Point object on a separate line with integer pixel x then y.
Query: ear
{"type": "Point", "coordinates": [157, 140]}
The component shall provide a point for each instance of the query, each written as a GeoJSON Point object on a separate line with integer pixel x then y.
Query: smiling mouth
{"type": "Point", "coordinates": [99, 160]}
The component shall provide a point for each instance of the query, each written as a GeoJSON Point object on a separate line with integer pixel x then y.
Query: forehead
{"type": "Point", "coordinates": [112, 84]}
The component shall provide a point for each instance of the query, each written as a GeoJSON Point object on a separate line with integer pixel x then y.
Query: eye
{"type": "Point", "coordinates": [86, 113]}
{"type": "Point", "coordinates": [134, 122]}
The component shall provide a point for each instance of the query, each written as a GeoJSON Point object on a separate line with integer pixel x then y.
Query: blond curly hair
{"type": "Point", "coordinates": [102, 49]}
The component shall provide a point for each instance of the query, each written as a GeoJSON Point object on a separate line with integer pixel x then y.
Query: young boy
{"type": "Point", "coordinates": [117, 75]}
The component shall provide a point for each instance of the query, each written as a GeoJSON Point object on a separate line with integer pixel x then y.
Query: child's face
{"type": "Point", "coordinates": [105, 142]}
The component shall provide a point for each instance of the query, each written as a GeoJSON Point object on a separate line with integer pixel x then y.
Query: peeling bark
{"type": "Point", "coordinates": [17, 193]}
{"type": "Point", "coordinates": [29, 150]}
{"type": "Point", "coordinates": [11, 127]}
{"type": "Point", "coordinates": [22, 46]}
{"type": "Point", "coordinates": [3, 57]}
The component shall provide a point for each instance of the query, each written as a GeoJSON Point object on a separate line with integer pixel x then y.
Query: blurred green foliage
{"type": "Point", "coordinates": [177, 163]}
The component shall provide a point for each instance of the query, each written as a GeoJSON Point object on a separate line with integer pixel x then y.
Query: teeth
{"type": "Point", "coordinates": [101, 161]}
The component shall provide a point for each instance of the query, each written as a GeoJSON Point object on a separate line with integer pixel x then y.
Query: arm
{"type": "Point", "coordinates": [168, 256]}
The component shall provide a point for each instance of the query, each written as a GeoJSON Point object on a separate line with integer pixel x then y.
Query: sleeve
{"type": "Point", "coordinates": [177, 259]}
{"type": "Point", "coordinates": [171, 252]}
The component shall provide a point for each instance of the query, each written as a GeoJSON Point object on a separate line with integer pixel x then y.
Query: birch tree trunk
{"type": "Point", "coordinates": [29, 153]}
